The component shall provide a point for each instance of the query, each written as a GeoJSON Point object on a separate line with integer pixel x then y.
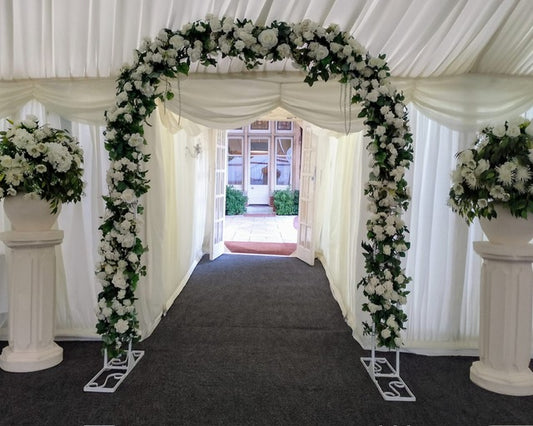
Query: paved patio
{"type": "Point", "coordinates": [261, 228]}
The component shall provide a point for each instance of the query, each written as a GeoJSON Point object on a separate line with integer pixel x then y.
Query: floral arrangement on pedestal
{"type": "Point", "coordinates": [496, 171]}
{"type": "Point", "coordinates": [321, 53]}
{"type": "Point", "coordinates": [40, 162]}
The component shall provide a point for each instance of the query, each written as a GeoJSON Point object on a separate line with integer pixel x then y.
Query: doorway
{"type": "Point", "coordinates": [264, 158]}
{"type": "Point", "coordinates": [259, 168]}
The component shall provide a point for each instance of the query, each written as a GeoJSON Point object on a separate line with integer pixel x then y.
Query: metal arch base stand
{"type": "Point", "coordinates": [109, 378]}
{"type": "Point", "coordinates": [387, 378]}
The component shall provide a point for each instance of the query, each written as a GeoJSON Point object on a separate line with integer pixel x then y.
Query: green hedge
{"type": "Point", "coordinates": [286, 202]}
{"type": "Point", "coordinates": [235, 201]}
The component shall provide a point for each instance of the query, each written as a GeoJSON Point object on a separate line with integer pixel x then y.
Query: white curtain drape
{"type": "Point", "coordinates": [460, 102]}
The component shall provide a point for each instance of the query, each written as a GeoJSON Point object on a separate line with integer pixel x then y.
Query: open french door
{"type": "Point", "coordinates": [305, 249]}
{"type": "Point", "coordinates": [219, 190]}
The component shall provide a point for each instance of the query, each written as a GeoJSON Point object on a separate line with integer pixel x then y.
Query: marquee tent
{"type": "Point", "coordinates": [460, 63]}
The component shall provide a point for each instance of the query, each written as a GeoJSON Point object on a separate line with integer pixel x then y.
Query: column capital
{"type": "Point", "coordinates": [506, 253]}
{"type": "Point", "coordinates": [31, 239]}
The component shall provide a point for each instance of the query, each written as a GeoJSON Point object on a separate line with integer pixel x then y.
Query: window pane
{"type": "Point", "coordinates": [235, 146]}
{"type": "Point", "coordinates": [283, 161]}
{"type": "Point", "coordinates": [234, 169]}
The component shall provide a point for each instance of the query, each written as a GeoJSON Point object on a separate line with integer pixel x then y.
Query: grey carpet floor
{"type": "Point", "coordinates": [253, 340]}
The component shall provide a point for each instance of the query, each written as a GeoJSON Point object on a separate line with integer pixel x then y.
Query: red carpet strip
{"type": "Point", "coordinates": [281, 249]}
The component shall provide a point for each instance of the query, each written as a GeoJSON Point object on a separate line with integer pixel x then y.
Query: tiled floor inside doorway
{"type": "Point", "coordinates": [261, 226]}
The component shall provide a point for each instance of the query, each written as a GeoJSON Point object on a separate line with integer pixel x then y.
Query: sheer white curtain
{"type": "Point", "coordinates": [340, 217]}
{"type": "Point", "coordinates": [443, 306]}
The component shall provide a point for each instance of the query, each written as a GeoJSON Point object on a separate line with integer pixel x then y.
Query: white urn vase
{"type": "Point", "coordinates": [507, 229]}
{"type": "Point", "coordinates": [506, 300]}
{"type": "Point", "coordinates": [27, 214]}
{"type": "Point", "coordinates": [31, 271]}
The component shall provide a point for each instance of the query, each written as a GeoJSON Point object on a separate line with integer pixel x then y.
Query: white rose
{"type": "Point", "coordinates": [30, 122]}
{"type": "Point", "coordinates": [372, 96]}
{"type": "Point", "coordinates": [513, 131]}
{"type": "Point", "coordinates": [284, 50]}
{"type": "Point", "coordinates": [499, 131]}
{"type": "Point", "coordinates": [177, 41]}
{"type": "Point", "coordinates": [119, 281]}
{"type": "Point", "coordinates": [268, 38]}
{"type": "Point", "coordinates": [385, 333]}
{"type": "Point", "coordinates": [321, 52]}
{"type": "Point", "coordinates": [122, 326]}
{"type": "Point", "coordinates": [128, 196]}
{"type": "Point", "coordinates": [128, 241]}
{"type": "Point", "coordinates": [373, 308]}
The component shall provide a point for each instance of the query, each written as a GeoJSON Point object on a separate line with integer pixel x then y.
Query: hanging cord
{"type": "Point", "coordinates": [345, 105]}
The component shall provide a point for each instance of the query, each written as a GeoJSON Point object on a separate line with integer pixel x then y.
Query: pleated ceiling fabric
{"type": "Point", "coordinates": [421, 38]}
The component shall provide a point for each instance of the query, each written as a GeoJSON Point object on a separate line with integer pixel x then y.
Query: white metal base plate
{"type": "Point", "coordinates": [387, 380]}
{"type": "Point", "coordinates": [109, 378]}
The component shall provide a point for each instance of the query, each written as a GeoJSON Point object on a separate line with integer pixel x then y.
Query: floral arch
{"type": "Point", "coordinates": [322, 53]}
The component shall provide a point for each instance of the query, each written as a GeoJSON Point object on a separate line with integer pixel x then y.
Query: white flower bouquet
{"type": "Point", "coordinates": [41, 162]}
{"type": "Point", "coordinates": [496, 171]}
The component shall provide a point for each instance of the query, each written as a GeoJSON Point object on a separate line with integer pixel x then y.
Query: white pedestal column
{"type": "Point", "coordinates": [32, 279]}
{"type": "Point", "coordinates": [505, 319]}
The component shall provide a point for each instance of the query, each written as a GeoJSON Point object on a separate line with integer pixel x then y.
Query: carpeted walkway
{"type": "Point", "coordinates": [253, 340]}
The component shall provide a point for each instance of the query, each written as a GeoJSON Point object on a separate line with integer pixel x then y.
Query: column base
{"type": "Point", "coordinates": [506, 383]}
{"type": "Point", "coordinates": [24, 362]}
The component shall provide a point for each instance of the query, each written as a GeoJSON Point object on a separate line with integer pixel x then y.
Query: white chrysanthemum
{"type": "Point", "coordinates": [505, 173]}
{"type": "Point", "coordinates": [520, 187]}
{"type": "Point", "coordinates": [458, 189]}
{"type": "Point", "coordinates": [523, 173]}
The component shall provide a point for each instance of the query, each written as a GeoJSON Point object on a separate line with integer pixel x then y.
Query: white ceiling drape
{"type": "Point", "coordinates": [422, 38]}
